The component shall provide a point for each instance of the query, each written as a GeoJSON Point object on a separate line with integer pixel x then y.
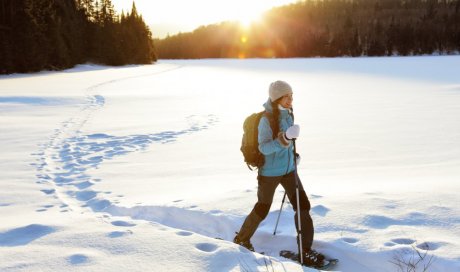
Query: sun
{"type": "Point", "coordinates": [249, 16]}
{"type": "Point", "coordinates": [246, 20]}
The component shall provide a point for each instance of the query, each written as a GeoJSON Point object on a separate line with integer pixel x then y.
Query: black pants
{"type": "Point", "coordinates": [265, 193]}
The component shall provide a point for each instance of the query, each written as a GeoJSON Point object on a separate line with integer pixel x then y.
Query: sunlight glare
{"type": "Point", "coordinates": [248, 18]}
{"type": "Point", "coordinates": [181, 15]}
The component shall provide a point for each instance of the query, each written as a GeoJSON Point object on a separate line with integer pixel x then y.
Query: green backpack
{"type": "Point", "coordinates": [250, 142]}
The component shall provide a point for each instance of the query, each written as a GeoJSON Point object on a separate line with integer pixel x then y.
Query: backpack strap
{"type": "Point", "coordinates": [256, 140]}
{"type": "Point", "coordinates": [271, 121]}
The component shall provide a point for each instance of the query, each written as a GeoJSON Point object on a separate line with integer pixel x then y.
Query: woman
{"type": "Point", "coordinates": [278, 169]}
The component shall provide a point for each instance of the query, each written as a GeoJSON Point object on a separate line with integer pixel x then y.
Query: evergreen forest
{"type": "Point", "coordinates": [57, 34]}
{"type": "Point", "coordinates": [328, 28]}
{"type": "Point", "coordinates": [40, 35]}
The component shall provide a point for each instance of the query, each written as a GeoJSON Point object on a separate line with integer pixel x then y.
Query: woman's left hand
{"type": "Point", "coordinates": [297, 159]}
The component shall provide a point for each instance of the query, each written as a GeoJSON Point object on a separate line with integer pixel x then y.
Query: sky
{"type": "Point", "coordinates": [174, 16]}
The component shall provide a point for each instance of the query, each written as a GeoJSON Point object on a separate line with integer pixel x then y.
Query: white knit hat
{"type": "Point", "coordinates": [278, 89]}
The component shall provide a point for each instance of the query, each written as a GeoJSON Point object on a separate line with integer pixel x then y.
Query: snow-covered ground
{"type": "Point", "coordinates": [138, 168]}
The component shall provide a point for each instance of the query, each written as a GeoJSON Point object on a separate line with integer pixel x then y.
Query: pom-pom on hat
{"type": "Point", "coordinates": [278, 89]}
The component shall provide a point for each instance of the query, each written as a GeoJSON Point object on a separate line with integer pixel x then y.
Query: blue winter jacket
{"type": "Point", "coordinates": [279, 158]}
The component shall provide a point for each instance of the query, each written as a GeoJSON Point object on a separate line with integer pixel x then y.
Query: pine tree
{"type": "Point", "coordinates": [6, 7]}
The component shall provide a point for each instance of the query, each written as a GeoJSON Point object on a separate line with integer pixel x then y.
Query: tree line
{"type": "Point", "coordinates": [57, 34]}
{"type": "Point", "coordinates": [329, 28]}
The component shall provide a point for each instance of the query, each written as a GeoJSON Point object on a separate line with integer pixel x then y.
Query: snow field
{"type": "Point", "coordinates": [138, 168]}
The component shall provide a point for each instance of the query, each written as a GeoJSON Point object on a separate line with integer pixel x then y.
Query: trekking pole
{"type": "Point", "coordinates": [279, 214]}
{"type": "Point", "coordinates": [298, 204]}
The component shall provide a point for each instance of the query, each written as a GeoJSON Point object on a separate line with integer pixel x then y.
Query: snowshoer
{"type": "Point", "coordinates": [276, 144]}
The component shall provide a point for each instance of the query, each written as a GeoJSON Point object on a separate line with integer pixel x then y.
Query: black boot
{"type": "Point", "coordinates": [247, 244]}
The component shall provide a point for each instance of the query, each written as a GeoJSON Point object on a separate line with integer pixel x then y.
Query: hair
{"type": "Point", "coordinates": [275, 121]}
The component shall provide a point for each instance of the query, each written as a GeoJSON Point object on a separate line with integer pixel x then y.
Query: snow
{"type": "Point", "coordinates": [138, 168]}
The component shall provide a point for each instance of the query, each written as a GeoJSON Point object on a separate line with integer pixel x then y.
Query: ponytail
{"type": "Point", "coordinates": [275, 121]}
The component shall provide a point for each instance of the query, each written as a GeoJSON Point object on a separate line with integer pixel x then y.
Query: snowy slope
{"type": "Point", "coordinates": [138, 168]}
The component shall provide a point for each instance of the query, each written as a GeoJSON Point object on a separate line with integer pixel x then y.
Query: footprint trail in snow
{"type": "Point", "coordinates": [63, 162]}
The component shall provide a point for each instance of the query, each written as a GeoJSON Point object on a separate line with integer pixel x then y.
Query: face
{"type": "Point", "coordinates": [286, 101]}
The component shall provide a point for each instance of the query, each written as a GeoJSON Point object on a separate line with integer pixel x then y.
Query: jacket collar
{"type": "Point", "coordinates": [283, 113]}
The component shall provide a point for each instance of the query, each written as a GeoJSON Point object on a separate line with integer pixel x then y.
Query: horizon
{"type": "Point", "coordinates": [166, 19]}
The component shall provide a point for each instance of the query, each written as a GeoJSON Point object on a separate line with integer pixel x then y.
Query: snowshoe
{"type": "Point", "coordinates": [311, 259]}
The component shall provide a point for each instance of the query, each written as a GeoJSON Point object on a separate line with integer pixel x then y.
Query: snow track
{"type": "Point", "coordinates": [64, 161]}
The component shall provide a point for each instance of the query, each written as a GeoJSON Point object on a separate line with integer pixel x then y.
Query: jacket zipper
{"type": "Point", "coordinates": [289, 156]}
{"type": "Point", "coordinates": [289, 151]}
{"type": "Point", "coordinates": [289, 161]}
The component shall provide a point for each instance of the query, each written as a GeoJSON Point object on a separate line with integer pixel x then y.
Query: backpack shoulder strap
{"type": "Point", "coordinates": [271, 120]}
